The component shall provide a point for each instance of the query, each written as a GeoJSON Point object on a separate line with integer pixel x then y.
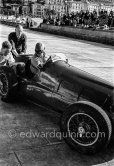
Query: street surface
{"type": "Point", "coordinates": [95, 58]}
{"type": "Point", "coordinates": [29, 134]}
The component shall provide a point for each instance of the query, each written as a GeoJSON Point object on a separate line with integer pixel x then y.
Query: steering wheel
{"type": "Point", "coordinates": [43, 67]}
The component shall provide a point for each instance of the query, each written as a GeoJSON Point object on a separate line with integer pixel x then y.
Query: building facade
{"type": "Point", "coordinates": [91, 5]}
{"type": "Point", "coordinates": [77, 6]}
{"type": "Point", "coordinates": [59, 6]}
{"type": "Point", "coordinates": [108, 6]}
{"type": "Point", "coordinates": [68, 6]}
{"type": "Point", "coordinates": [37, 10]}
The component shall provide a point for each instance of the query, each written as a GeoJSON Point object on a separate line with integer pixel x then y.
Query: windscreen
{"type": "Point", "coordinates": [58, 56]}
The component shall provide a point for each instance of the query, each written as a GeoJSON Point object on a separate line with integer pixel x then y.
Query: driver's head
{"type": "Point", "coordinates": [6, 48]}
{"type": "Point", "coordinates": [39, 49]}
{"type": "Point", "coordinates": [19, 30]}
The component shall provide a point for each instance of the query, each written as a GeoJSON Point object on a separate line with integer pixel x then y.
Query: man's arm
{"type": "Point", "coordinates": [10, 38]}
{"type": "Point", "coordinates": [2, 61]}
{"type": "Point", "coordinates": [24, 44]}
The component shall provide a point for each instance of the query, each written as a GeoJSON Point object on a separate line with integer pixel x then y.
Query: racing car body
{"type": "Point", "coordinates": [85, 101]}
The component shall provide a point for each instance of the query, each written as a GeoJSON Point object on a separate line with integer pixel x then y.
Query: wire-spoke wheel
{"type": "Point", "coordinates": [83, 131]}
{"type": "Point", "coordinates": [8, 80]}
{"type": "Point", "coordinates": [86, 127]}
{"type": "Point", "coordinates": [3, 84]}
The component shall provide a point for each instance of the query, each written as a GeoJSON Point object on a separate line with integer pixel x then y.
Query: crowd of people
{"type": "Point", "coordinates": [84, 19]}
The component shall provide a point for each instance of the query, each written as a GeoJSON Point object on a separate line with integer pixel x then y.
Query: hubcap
{"type": "Point", "coordinates": [3, 84]}
{"type": "Point", "coordinates": [83, 129]}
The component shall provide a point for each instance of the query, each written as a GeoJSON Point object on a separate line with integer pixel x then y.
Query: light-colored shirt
{"type": "Point", "coordinates": [1, 57]}
{"type": "Point", "coordinates": [6, 59]}
{"type": "Point", "coordinates": [36, 61]}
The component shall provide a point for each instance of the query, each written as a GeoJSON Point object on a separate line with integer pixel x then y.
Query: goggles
{"type": "Point", "coordinates": [39, 51]}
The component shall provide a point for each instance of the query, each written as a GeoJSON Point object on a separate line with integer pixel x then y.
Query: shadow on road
{"type": "Point", "coordinates": [25, 116]}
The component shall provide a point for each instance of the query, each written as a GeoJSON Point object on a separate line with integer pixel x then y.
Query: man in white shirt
{"type": "Point", "coordinates": [6, 57]}
{"type": "Point", "coordinates": [39, 58]}
{"type": "Point", "coordinates": [37, 61]}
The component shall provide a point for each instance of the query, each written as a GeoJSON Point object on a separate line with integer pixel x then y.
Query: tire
{"type": "Point", "coordinates": [8, 84]}
{"type": "Point", "coordinates": [86, 127]}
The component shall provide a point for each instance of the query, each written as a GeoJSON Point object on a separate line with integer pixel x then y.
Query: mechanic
{"type": "Point", "coordinates": [6, 57]}
{"type": "Point", "coordinates": [37, 61]}
{"type": "Point", "coordinates": [18, 41]}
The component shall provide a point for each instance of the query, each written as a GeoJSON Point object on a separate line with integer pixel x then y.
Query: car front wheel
{"type": "Point", "coordinates": [86, 127]}
{"type": "Point", "coordinates": [8, 84]}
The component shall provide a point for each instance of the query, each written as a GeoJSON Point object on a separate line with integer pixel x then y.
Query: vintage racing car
{"type": "Point", "coordinates": [84, 100]}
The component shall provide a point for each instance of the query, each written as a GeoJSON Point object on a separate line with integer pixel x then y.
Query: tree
{"type": "Point", "coordinates": [53, 12]}
{"type": "Point", "coordinates": [49, 12]}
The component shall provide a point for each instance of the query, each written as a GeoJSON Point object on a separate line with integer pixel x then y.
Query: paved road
{"type": "Point", "coordinates": [92, 57]}
{"type": "Point", "coordinates": [29, 134]}
{"type": "Point", "coordinates": [27, 139]}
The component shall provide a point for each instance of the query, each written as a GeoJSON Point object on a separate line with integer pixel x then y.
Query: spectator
{"type": "Point", "coordinates": [85, 19]}
{"type": "Point", "coordinates": [27, 22]}
{"type": "Point", "coordinates": [31, 24]}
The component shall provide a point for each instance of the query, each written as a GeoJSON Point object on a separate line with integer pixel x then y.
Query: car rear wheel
{"type": "Point", "coordinates": [86, 127]}
{"type": "Point", "coordinates": [8, 84]}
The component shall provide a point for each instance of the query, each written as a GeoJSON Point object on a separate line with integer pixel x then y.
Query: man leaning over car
{"type": "Point", "coordinates": [18, 41]}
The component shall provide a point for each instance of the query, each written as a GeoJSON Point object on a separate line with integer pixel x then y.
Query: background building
{"type": "Point", "coordinates": [77, 6]}
{"type": "Point", "coordinates": [91, 5]}
{"type": "Point", "coordinates": [37, 10]}
{"type": "Point", "coordinates": [58, 6]}
{"type": "Point", "coordinates": [40, 8]}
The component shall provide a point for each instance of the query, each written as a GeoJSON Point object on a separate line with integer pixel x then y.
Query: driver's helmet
{"type": "Point", "coordinates": [39, 47]}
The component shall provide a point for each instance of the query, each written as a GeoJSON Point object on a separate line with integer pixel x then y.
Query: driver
{"type": "Point", "coordinates": [39, 58]}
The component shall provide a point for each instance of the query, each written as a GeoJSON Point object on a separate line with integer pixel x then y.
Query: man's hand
{"type": "Point", "coordinates": [40, 66]}
{"type": "Point", "coordinates": [22, 53]}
